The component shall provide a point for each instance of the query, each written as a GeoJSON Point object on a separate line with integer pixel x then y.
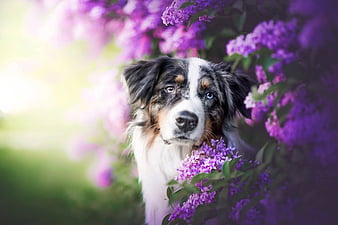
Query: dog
{"type": "Point", "coordinates": [179, 104]}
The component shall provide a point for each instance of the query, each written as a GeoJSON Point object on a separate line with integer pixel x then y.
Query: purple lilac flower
{"type": "Point", "coordinates": [272, 125]}
{"type": "Point", "coordinates": [278, 211]}
{"type": "Point", "coordinates": [273, 35]}
{"type": "Point", "coordinates": [173, 14]}
{"type": "Point", "coordinates": [76, 20]}
{"type": "Point", "coordinates": [252, 217]}
{"type": "Point", "coordinates": [284, 57]}
{"type": "Point", "coordinates": [188, 208]}
{"type": "Point", "coordinates": [79, 147]}
{"type": "Point", "coordinates": [204, 160]}
{"type": "Point", "coordinates": [184, 41]}
{"type": "Point", "coordinates": [108, 100]}
{"type": "Point", "coordinates": [311, 121]}
{"type": "Point", "coordinates": [260, 74]}
{"type": "Point", "coordinates": [101, 171]}
{"type": "Point", "coordinates": [320, 15]}
{"type": "Point", "coordinates": [259, 108]}
{"type": "Point", "coordinates": [135, 41]}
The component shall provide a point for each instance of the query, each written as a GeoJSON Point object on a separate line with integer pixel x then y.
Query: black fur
{"type": "Point", "coordinates": [141, 79]}
{"type": "Point", "coordinates": [240, 85]}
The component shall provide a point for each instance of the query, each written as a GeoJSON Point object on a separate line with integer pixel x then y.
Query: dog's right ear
{"type": "Point", "coordinates": [141, 78]}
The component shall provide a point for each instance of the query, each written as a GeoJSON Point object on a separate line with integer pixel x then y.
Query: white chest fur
{"type": "Point", "coordinates": [157, 165]}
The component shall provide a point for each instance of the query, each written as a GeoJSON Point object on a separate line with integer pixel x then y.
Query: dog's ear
{"type": "Point", "coordinates": [141, 78]}
{"type": "Point", "coordinates": [239, 84]}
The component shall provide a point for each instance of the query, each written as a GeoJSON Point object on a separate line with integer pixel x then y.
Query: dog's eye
{"type": "Point", "coordinates": [209, 95]}
{"type": "Point", "coordinates": [170, 89]}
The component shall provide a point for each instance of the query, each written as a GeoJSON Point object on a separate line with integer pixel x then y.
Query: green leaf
{"type": "Point", "coordinates": [199, 177]}
{"type": "Point", "coordinates": [226, 169]}
{"type": "Point", "coordinates": [228, 32]}
{"type": "Point", "coordinates": [246, 176]}
{"type": "Point", "coordinates": [215, 175]}
{"type": "Point", "coordinates": [266, 61]}
{"type": "Point", "coordinates": [177, 196]}
{"type": "Point", "coordinates": [246, 62]}
{"type": "Point", "coordinates": [220, 184]}
{"type": "Point", "coordinates": [260, 153]}
{"type": "Point", "coordinates": [170, 191]}
{"type": "Point", "coordinates": [187, 4]}
{"type": "Point", "coordinates": [209, 41]}
{"type": "Point", "coordinates": [172, 182]}
{"type": "Point", "coordinates": [165, 220]}
{"type": "Point", "coordinates": [113, 1]}
{"type": "Point", "coordinates": [238, 19]}
{"type": "Point", "coordinates": [191, 188]}
{"type": "Point", "coordinates": [233, 163]}
{"type": "Point", "coordinates": [233, 57]}
{"type": "Point", "coordinates": [196, 16]}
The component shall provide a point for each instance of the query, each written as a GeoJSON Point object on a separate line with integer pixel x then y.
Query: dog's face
{"type": "Point", "coordinates": [186, 101]}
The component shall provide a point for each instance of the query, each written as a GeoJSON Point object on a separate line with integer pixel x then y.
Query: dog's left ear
{"type": "Point", "coordinates": [141, 78]}
{"type": "Point", "coordinates": [239, 84]}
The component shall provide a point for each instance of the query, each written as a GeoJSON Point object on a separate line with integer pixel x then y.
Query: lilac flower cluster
{"type": "Point", "coordinates": [132, 24]}
{"type": "Point", "coordinates": [182, 40]}
{"type": "Point", "coordinates": [77, 20]}
{"type": "Point", "coordinates": [259, 108]}
{"type": "Point", "coordinates": [279, 37]}
{"type": "Point", "coordinates": [311, 121]}
{"type": "Point", "coordinates": [211, 158]}
{"type": "Point", "coordinates": [205, 160]}
{"type": "Point", "coordinates": [174, 14]}
{"type": "Point", "coordinates": [320, 15]}
{"type": "Point", "coordinates": [188, 208]}
{"type": "Point", "coordinates": [273, 35]}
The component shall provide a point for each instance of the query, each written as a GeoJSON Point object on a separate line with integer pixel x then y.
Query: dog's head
{"type": "Point", "coordinates": [186, 101]}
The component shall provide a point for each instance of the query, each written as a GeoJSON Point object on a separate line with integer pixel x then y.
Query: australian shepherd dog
{"type": "Point", "coordinates": [179, 104]}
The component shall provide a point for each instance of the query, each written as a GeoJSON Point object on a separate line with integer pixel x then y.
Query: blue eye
{"type": "Point", "coordinates": [209, 95]}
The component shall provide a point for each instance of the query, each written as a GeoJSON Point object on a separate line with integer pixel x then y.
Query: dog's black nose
{"type": "Point", "coordinates": [186, 121]}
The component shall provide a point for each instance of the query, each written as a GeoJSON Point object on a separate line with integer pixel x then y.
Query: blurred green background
{"type": "Point", "coordinates": [39, 84]}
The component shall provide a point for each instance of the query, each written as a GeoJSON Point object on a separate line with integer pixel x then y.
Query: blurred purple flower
{"type": "Point", "coordinates": [76, 20]}
{"type": "Point", "coordinates": [309, 37]}
{"type": "Point", "coordinates": [278, 211]}
{"type": "Point", "coordinates": [185, 42]}
{"type": "Point", "coordinates": [321, 22]}
{"type": "Point", "coordinates": [273, 35]}
{"type": "Point", "coordinates": [135, 42]}
{"type": "Point", "coordinates": [101, 172]}
{"type": "Point", "coordinates": [252, 216]}
{"type": "Point", "coordinates": [108, 100]}
{"type": "Point", "coordinates": [79, 147]}
{"type": "Point", "coordinates": [260, 74]}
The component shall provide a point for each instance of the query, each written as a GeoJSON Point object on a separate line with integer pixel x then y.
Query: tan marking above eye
{"type": "Point", "coordinates": [205, 83]}
{"type": "Point", "coordinates": [179, 79]}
